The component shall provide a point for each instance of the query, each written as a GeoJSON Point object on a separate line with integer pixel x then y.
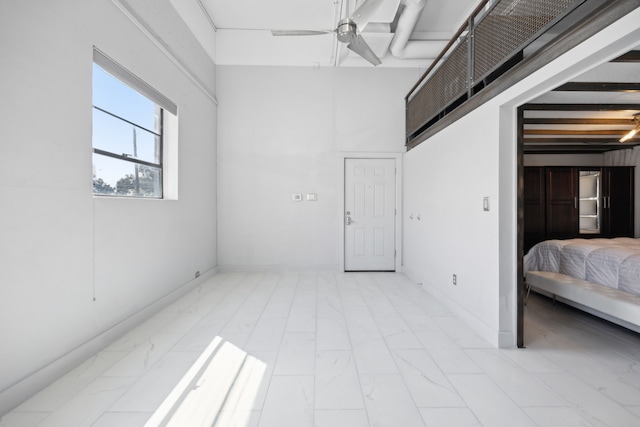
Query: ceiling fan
{"type": "Point", "coordinates": [348, 30]}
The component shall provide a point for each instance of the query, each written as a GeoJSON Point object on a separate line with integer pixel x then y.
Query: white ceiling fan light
{"type": "Point", "coordinates": [348, 31]}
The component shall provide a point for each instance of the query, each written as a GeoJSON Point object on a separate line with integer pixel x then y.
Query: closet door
{"type": "Point", "coordinates": [534, 202]}
{"type": "Point", "coordinates": [562, 202]}
{"type": "Point", "coordinates": [618, 201]}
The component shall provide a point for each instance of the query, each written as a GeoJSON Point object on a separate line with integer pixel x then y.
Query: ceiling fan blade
{"type": "Point", "coordinates": [300, 32]}
{"type": "Point", "coordinates": [360, 47]}
{"type": "Point", "coordinates": [363, 14]}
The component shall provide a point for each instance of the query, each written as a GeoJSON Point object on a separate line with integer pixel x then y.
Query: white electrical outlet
{"type": "Point", "coordinates": [455, 280]}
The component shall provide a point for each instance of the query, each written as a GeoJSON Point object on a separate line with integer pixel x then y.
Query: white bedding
{"type": "Point", "coordinates": [614, 263]}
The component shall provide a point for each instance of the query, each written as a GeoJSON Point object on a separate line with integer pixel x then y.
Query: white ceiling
{"type": "Point", "coordinates": [239, 33]}
{"type": "Point", "coordinates": [243, 30]}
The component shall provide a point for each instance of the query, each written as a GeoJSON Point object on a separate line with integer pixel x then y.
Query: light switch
{"type": "Point", "coordinates": [297, 197]}
{"type": "Point", "coordinates": [312, 197]}
{"type": "Point", "coordinates": [485, 204]}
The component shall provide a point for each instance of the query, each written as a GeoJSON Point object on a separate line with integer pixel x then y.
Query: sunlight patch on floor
{"type": "Point", "coordinates": [218, 390]}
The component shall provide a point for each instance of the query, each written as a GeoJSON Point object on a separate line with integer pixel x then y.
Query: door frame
{"type": "Point", "coordinates": [397, 157]}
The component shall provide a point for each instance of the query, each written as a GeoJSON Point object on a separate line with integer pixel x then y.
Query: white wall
{"type": "Point", "coordinates": [282, 131]}
{"type": "Point", "coordinates": [445, 181]}
{"type": "Point", "coordinates": [60, 247]}
{"type": "Point", "coordinates": [447, 176]}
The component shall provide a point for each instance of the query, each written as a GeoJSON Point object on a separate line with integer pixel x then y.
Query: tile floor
{"type": "Point", "coordinates": [324, 349]}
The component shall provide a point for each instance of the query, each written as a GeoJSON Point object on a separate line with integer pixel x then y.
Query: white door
{"type": "Point", "coordinates": [369, 217]}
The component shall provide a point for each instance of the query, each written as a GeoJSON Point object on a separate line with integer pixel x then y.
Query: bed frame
{"type": "Point", "coordinates": [614, 305]}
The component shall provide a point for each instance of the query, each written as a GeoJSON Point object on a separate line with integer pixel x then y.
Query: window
{"type": "Point", "coordinates": [128, 120]}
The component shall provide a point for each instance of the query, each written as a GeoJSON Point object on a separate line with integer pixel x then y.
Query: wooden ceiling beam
{"type": "Point", "coordinates": [581, 107]}
{"type": "Point", "coordinates": [619, 132]}
{"type": "Point", "coordinates": [572, 148]}
{"type": "Point", "coordinates": [577, 141]}
{"type": "Point", "coordinates": [575, 121]}
{"type": "Point", "coordinates": [598, 87]}
{"type": "Point", "coordinates": [631, 56]}
{"type": "Point", "coordinates": [566, 150]}
{"type": "Point", "coordinates": [569, 149]}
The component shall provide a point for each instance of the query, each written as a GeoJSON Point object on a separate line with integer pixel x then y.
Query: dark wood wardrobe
{"type": "Point", "coordinates": [562, 202]}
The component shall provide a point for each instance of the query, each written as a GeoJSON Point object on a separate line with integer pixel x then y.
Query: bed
{"type": "Point", "coordinates": [601, 276]}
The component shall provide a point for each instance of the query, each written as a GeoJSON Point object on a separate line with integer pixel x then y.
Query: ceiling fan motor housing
{"type": "Point", "coordinates": [346, 31]}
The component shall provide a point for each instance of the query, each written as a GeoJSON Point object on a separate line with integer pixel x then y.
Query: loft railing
{"type": "Point", "coordinates": [491, 41]}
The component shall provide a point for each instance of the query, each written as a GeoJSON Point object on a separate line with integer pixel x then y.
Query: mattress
{"type": "Point", "coordinates": [614, 263]}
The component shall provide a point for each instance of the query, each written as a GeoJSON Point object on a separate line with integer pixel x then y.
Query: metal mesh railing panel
{"type": "Point", "coordinates": [497, 37]}
{"type": "Point", "coordinates": [446, 85]}
{"type": "Point", "coordinates": [508, 27]}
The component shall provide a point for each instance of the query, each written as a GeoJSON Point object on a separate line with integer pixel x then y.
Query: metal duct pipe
{"type": "Point", "coordinates": [400, 46]}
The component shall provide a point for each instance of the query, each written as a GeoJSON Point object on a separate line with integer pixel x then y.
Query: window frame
{"type": "Point", "coordinates": [127, 157]}
{"type": "Point", "coordinates": [162, 103]}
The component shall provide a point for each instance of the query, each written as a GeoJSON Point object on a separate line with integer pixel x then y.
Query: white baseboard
{"type": "Point", "coordinates": [276, 268]}
{"type": "Point", "coordinates": [495, 338]}
{"type": "Point", "coordinates": [36, 381]}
